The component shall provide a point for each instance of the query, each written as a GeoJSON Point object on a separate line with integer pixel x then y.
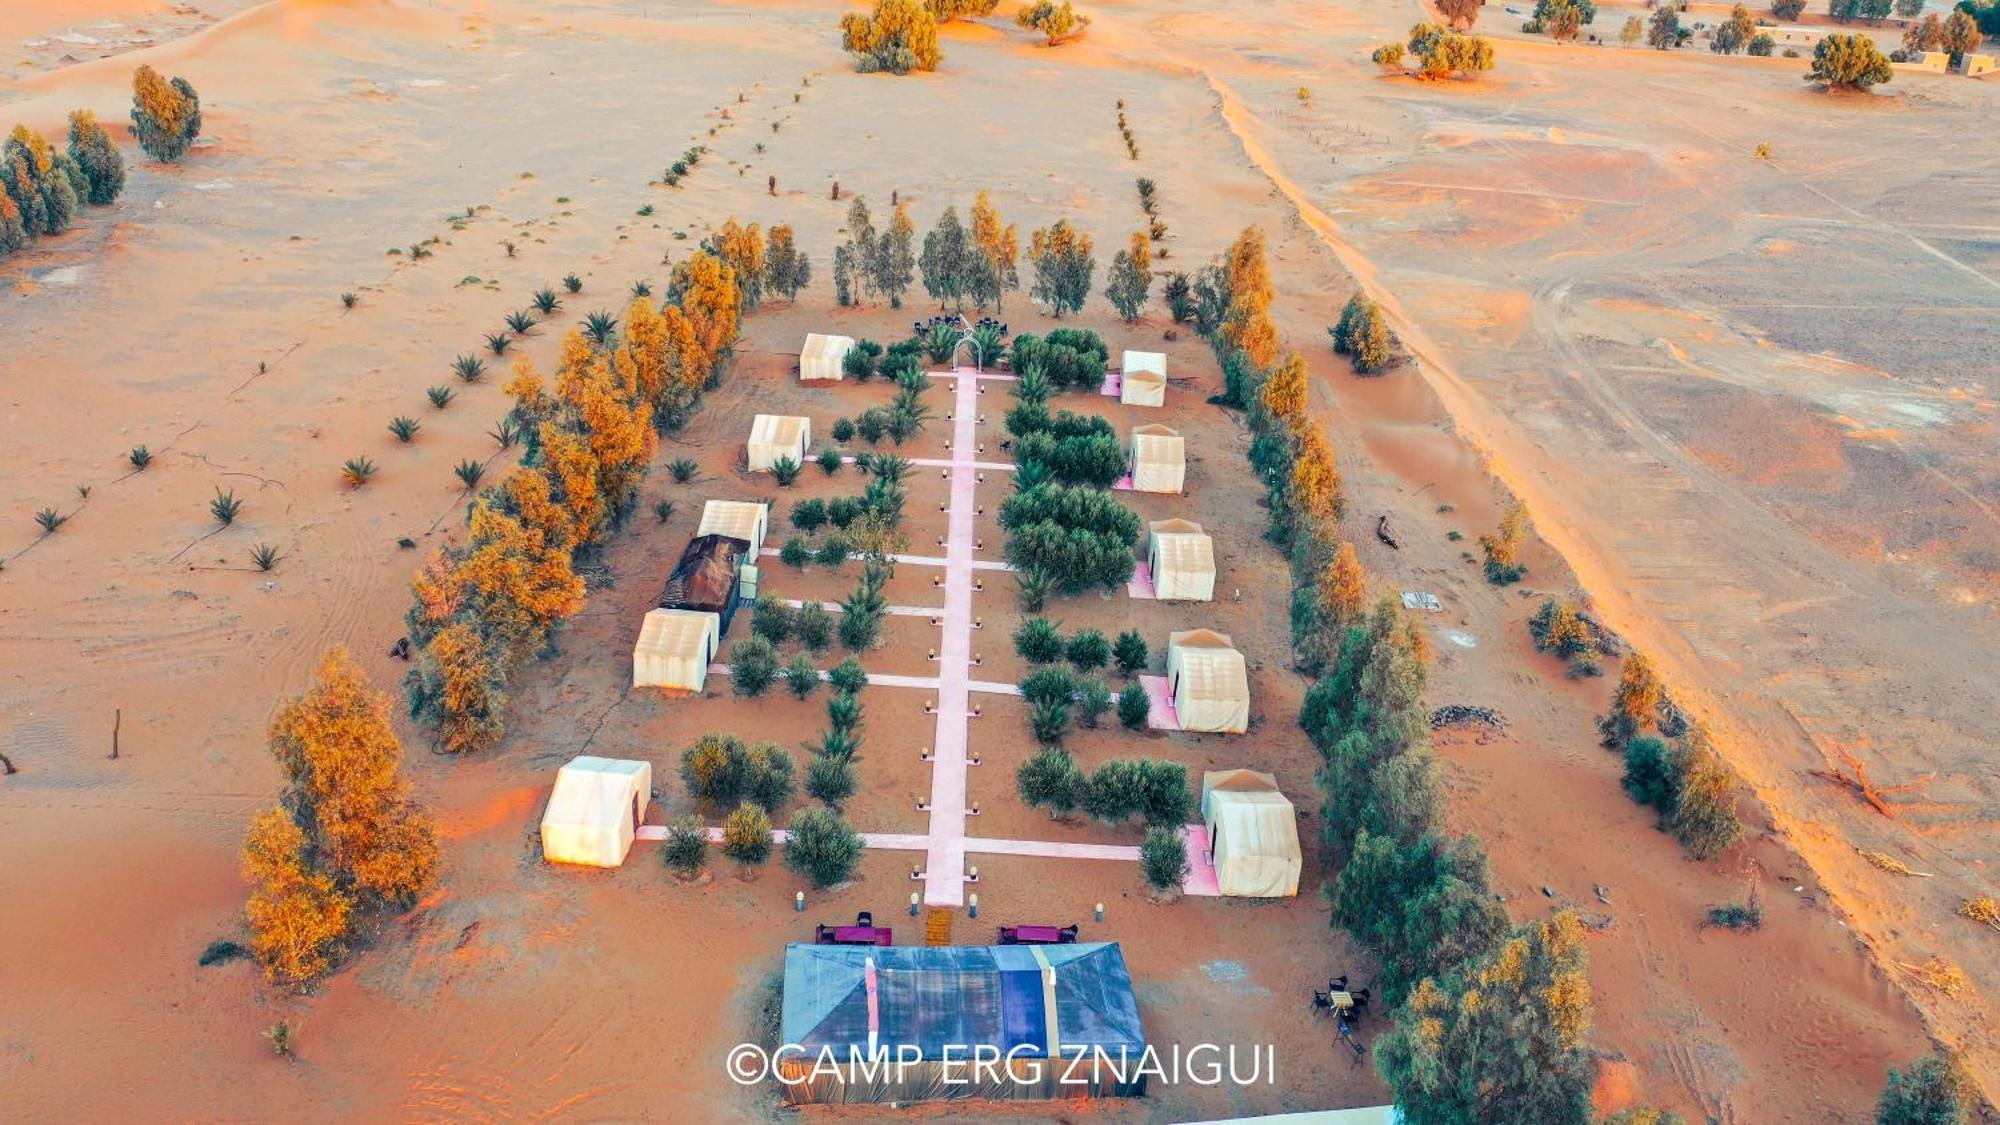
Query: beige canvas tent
{"type": "Point", "coordinates": [1157, 459]}
{"type": "Point", "coordinates": [596, 806]}
{"type": "Point", "coordinates": [823, 358]}
{"type": "Point", "coordinates": [1182, 558]}
{"type": "Point", "coordinates": [674, 649]}
{"type": "Point", "coordinates": [774, 436]}
{"type": "Point", "coordinates": [1253, 834]}
{"type": "Point", "coordinates": [738, 519]}
{"type": "Point", "coordinates": [1143, 381]}
{"type": "Point", "coordinates": [1210, 685]}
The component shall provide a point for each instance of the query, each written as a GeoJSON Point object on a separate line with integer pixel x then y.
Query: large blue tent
{"type": "Point", "coordinates": [1062, 1016]}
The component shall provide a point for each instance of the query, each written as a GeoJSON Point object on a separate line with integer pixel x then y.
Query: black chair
{"type": "Point", "coordinates": [1322, 1003]}
{"type": "Point", "coordinates": [1337, 984]}
{"type": "Point", "coordinates": [865, 918]}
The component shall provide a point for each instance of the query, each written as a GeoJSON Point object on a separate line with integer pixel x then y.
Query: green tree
{"type": "Point", "coordinates": [1425, 907]}
{"type": "Point", "coordinates": [1960, 34]}
{"type": "Point", "coordinates": [1130, 278]}
{"type": "Point", "coordinates": [165, 113]}
{"type": "Point", "coordinates": [1733, 34]}
{"type": "Point", "coordinates": [1499, 1041]}
{"type": "Point", "coordinates": [1134, 706]}
{"type": "Point", "coordinates": [1060, 256]}
{"type": "Point", "coordinates": [686, 850]}
{"type": "Point", "coordinates": [91, 149]}
{"type": "Point", "coordinates": [822, 846]}
{"type": "Point", "coordinates": [753, 666]}
{"type": "Point", "coordinates": [787, 269]}
{"type": "Point", "coordinates": [1848, 62]}
{"type": "Point", "coordinates": [1129, 652]}
{"type": "Point", "coordinates": [1051, 780]}
{"type": "Point", "coordinates": [746, 835]}
{"type": "Point", "coordinates": [892, 267]}
{"type": "Point", "coordinates": [1663, 29]}
{"type": "Point", "coordinates": [1788, 9]}
{"type": "Point", "coordinates": [1037, 641]}
{"type": "Point", "coordinates": [1937, 1089]}
{"type": "Point", "coordinates": [1088, 650]}
{"type": "Point", "coordinates": [946, 258]}
{"type": "Point", "coordinates": [831, 778]}
{"type": "Point", "coordinates": [1058, 23]}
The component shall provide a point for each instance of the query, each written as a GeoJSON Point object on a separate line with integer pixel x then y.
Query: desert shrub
{"type": "Point", "coordinates": [1443, 53]}
{"type": "Point", "coordinates": [1051, 780]}
{"type": "Point", "coordinates": [1050, 684]}
{"type": "Point", "coordinates": [746, 835]}
{"type": "Point", "coordinates": [720, 770]}
{"type": "Point", "coordinates": [828, 460]}
{"type": "Point", "coordinates": [1088, 650]}
{"type": "Point", "coordinates": [686, 850]}
{"type": "Point", "coordinates": [809, 515]}
{"type": "Point", "coordinates": [843, 429]}
{"type": "Point", "coordinates": [1129, 652]}
{"type": "Point", "coordinates": [772, 620]}
{"type": "Point", "coordinates": [1937, 1089]}
{"type": "Point", "coordinates": [822, 846]}
{"type": "Point", "coordinates": [1133, 706]}
{"type": "Point", "coordinates": [834, 552]}
{"type": "Point", "coordinates": [90, 148]}
{"type": "Point", "coordinates": [785, 470]}
{"type": "Point", "coordinates": [899, 36]}
{"type": "Point", "coordinates": [1704, 819]}
{"type": "Point", "coordinates": [165, 113]}
{"type": "Point", "coordinates": [1736, 916]}
{"type": "Point", "coordinates": [753, 665]}
{"type": "Point", "coordinates": [1058, 23]}
{"type": "Point", "coordinates": [1093, 699]}
{"type": "Point", "coordinates": [1503, 548]}
{"type": "Point", "coordinates": [813, 626]}
{"type": "Point", "coordinates": [1788, 10]}
{"type": "Point", "coordinates": [796, 552]}
{"type": "Point", "coordinates": [221, 952]}
{"type": "Point", "coordinates": [1163, 859]}
{"type": "Point", "coordinates": [1049, 720]}
{"type": "Point", "coordinates": [1652, 775]}
{"type": "Point", "coordinates": [1038, 641]}
{"type": "Point", "coordinates": [1389, 56]}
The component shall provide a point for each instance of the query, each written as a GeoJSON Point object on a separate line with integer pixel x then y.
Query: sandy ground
{"type": "Point", "coordinates": [1758, 465]}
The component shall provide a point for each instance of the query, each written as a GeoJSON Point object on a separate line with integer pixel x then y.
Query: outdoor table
{"type": "Point", "coordinates": [1038, 935]}
{"type": "Point", "coordinates": [1343, 1001]}
{"type": "Point", "coordinates": [862, 935]}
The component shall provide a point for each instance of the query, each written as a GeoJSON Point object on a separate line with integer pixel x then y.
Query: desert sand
{"type": "Point", "coordinates": [1750, 404]}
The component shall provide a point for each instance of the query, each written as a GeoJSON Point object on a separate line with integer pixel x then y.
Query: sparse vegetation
{"type": "Point", "coordinates": [822, 847]}
{"type": "Point", "coordinates": [440, 396]}
{"type": "Point", "coordinates": [225, 507]}
{"type": "Point", "coordinates": [899, 36]}
{"type": "Point", "coordinates": [166, 114]}
{"type": "Point", "coordinates": [1057, 23]}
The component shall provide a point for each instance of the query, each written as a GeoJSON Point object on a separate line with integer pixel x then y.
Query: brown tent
{"type": "Point", "coordinates": [705, 578]}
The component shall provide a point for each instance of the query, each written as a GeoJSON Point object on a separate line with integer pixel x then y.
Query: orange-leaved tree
{"type": "Point", "coordinates": [297, 915]}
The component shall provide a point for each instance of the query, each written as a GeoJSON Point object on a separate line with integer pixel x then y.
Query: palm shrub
{"type": "Point", "coordinates": [48, 519]}
{"type": "Point", "coordinates": [753, 665]}
{"type": "Point", "coordinates": [813, 626]}
{"type": "Point", "coordinates": [599, 327]}
{"type": "Point", "coordinates": [1053, 684]}
{"type": "Point", "coordinates": [830, 779]}
{"type": "Point", "coordinates": [469, 368]}
{"type": "Point", "coordinates": [940, 342]}
{"type": "Point", "coordinates": [1038, 641]}
{"type": "Point", "coordinates": [682, 469]}
{"type": "Point", "coordinates": [497, 342]}
{"type": "Point", "coordinates": [1031, 587]}
{"type": "Point", "coordinates": [140, 457]}
{"type": "Point", "coordinates": [840, 745]}
{"type": "Point", "coordinates": [357, 471]}
{"type": "Point", "coordinates": [1088, 650]}
{"type": "Point", "coordinates": [469, 473]}
{"type": "Point", "coordinates": [801, 677]}
{"type": "Point", "coordinates": [1163, 859]}
{"type": "Point", "coordinates": [843, 711]}
{"type": "Point", "coordinates": [440, 396]}
{"type": "Point", "coordinates": [843, 429]}
{"type": "Point", "coordinates": [786, 470]}
{"type": "Point", "coordinates": [848, 676]}
{"type": "Point", "coordinates": [834, 552]}
{"type": "Point", "coordinates": [546, 301]}
{"type": "Point", "coordinates": [507, 432]}
{"type": "Point", "coordinates": [1093, 699]}
{"type": "Point", "coordinates": [1134, 706]}
{"type": "Point", "coordinates": [404, 427]}
{"type": "Point", "coordinates": [1049, 720]}
{"type": "Point", "coordinates": [225, 507]}
{"type": "Point", "coordinates": [822, 846]}
{"type": "Point", "coordinates": [686, 850]}
{"type": "Point", "coordinates": [349, 300]}
{"type": "Point", "coordinates": [519, 322]}
{"type": "Point", "coordinates": [1129, 652]}
{"type": "Point", "coordinates": [828, 460]}
{"type": "Point", "coordinates": [746, 835]}
{"type": "Point", "coordinates": [663, 510]}
{"type": "Point", "coordinates": [572, 283]}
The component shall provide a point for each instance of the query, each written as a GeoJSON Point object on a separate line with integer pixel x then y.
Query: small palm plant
{"type": "Point", "coordinates": [599, 327]}
{"type": "Point", "coordinates": [419, 250]}
{"type": "Point", "coordinates": [1033, 587]}
{"type": "Point", "coordinates": [469, 473]}
{"type": "Point", "coordinates": [440, 396]}
{"type": "Point", "coordinates": [989, 342]}
{"type": "Point", "coordinates": [140, 457]}
{"type": "Point", "coordinates": [469, 368]}
{"type": "Point", "coordinates": [940, 342]}
{"type": "Point", "coordinates": [642, 288]}
{"type": "Point", "coordinates": [405, 428]}
{"type": "Point", "coordinates": [573, 283]}
{"type": "Point", "coordinates": [264, 556]}
{"type": "Point", "coordinates": [890, 467]}
{"type": "Point", "coordinates": [663, 510]}
{"type": "Point", "coordinates": [546, 301]}
{"type": "Point", "coordinates": [496, 342]}
{"type": "Point", "coordinates": [50, 519]}
{"type": "Point", "coordinates": [786, 470]}
{"type": "Point", "coordinates": [357, 471]}
{"type": "Point", "coordinates": [225, 507]}
{"type": "Point", "coordinates": [829, 460]}
{"type": "Point", "coordinates": [519, 322]}
{"type": "Point", "coordinates": [505, 434]}
{"type": "Point", "coordinates": [348, 300]}
{"type": "Point", "coordinates": [683, 469]}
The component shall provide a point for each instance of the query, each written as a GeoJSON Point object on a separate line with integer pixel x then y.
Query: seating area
{"type": "Point", "coordinates": [1038, 935]}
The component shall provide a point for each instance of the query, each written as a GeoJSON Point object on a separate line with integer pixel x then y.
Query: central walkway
{"type": "Point", "coordinates": [944, 861]}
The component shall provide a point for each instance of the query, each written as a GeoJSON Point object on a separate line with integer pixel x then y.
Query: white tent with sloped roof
{"type": "Point", "coordinates": [597, 806]}
{"type": "Point", "coordinates": [1209, 682]}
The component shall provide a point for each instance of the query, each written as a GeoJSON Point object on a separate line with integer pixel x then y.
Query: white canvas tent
{"type": "Point", "coordinates": [596, 806]}
{"type": "Point", "coordinates": [1182, 558]}
{"type": "Point", "coordinates": [774, 436]}
{"type": "Point", "coordinates": [1157, 459]}
{"type": "Point", "coordinates": [1210, 685]}
{"type": "Point", "coordinates": [823, 358]}
{"type": "Point", "coordinates": [738, 519]}
{"type": "Point", "coordinates": [1143, 379]}
{"type": "Point", "coordinates": [1253, 834]}
{"type": "Point", "coordinates": [674, 649]}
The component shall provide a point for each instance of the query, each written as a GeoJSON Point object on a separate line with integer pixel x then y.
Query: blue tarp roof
{"type": "Point", "coordinates": [960, 996]}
